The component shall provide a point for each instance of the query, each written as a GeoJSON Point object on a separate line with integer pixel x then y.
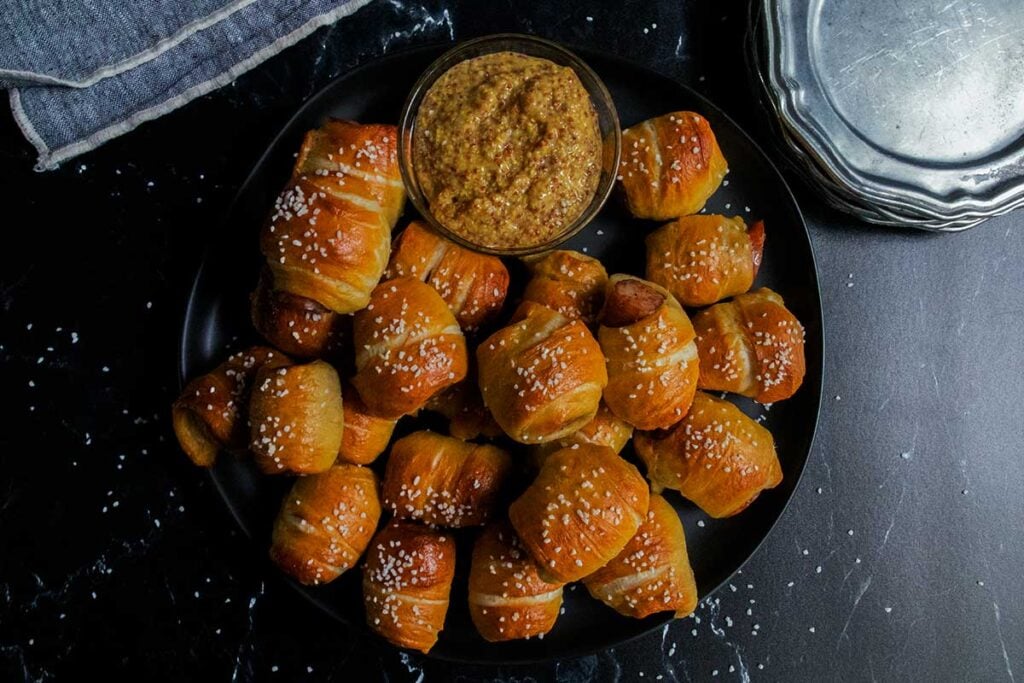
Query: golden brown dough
{"type": "Point", "coordinates": [604, 430]}
{"type": "Point", "coordinates": [365, 435]}
{"type": "Point", "coordinates": [443, 481]}
{"type": "Point", "coordinates": [542, 376]}
{"type": "Point", "coordinates": [296, 418]}
{"type": "Point", "coordinates": [580, 511]}
{"type": "Point", "coordinates": [213, 409]}
{"type": "Point", "coordinates": [716, 457]}
{"type": "Point", "coordinates": [406, 583]}
{"type": "Point", "coordinates": [357, 158]}
{"type": "Point", "coordinates": [569, 282]}
{"type": "Point", "coordinates": [507, 598]}
{"type": "Point", "coordinates": [652, 573]}
{"type": "Point", "coordinates": [329, 235]}
{"type": "Point", "coordinates": [325, 523]}
{"type": "Point", "coordinates": [408, 348]}
{"type": "Point", "coordinates": [670, 165]}
{"type": "Point", "coordinates": [704, 259]}
{"type": "Point", "coordinates": [473, 285]}
{"type": "Point", "coordinates": [751, 345]}
{"type": "Point", "coordinates": [298, 326]}
{"type": "Point", "coordinates": [468, 417]}
{"type": "Point", "coordinates": [652, 360]}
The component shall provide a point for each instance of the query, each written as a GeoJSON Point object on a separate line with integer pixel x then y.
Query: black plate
{"type": "Point", "coordinates": [217, 320]}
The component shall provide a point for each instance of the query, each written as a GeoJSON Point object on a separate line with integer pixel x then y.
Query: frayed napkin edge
{"type": "Point", "coordinates": [49, 160]}
{"type": "Point", "coordinates": [135, 60]}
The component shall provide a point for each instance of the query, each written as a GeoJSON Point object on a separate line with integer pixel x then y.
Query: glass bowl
{"type": "Point", "coordinates": [607, 117]}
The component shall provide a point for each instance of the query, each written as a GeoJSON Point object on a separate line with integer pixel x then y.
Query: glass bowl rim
{"type": "Point", "coordinates": [600, 98]}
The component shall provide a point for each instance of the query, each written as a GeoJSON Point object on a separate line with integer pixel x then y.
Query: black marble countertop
{"type": "Point", "coordinates": [899, 558]}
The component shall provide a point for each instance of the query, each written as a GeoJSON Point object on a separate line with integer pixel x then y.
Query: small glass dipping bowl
{"type": "Point", "coordinates": [607, 117]}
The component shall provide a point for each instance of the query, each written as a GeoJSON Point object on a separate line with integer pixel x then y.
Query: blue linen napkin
{"type": "Point", "coordinates": [81, 73]}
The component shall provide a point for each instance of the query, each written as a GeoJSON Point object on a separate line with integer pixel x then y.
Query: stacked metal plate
{"type": "Point", "coordinates": [907, 114]}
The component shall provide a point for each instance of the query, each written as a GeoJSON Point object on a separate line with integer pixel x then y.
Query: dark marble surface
{"type": "Point", "coordinates": [898, 559]}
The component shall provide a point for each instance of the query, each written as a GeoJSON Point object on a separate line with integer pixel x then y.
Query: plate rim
{"type": "Point", "coordinates": [659, 620]}
{"type": "Point", "coordinates": [955, 200]}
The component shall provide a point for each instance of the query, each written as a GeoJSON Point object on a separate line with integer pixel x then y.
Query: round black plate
{"type": "Point", "coordinates": [217, 320]}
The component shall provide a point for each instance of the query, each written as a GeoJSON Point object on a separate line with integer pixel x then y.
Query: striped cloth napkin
{"type": "Point", "coordinates": [81, 73]}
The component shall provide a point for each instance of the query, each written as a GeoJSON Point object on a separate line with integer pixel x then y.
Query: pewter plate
{"type": "Point", "coordinates": [918, 107]}
{"type": "Point", "coordinates": [850, 194]}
